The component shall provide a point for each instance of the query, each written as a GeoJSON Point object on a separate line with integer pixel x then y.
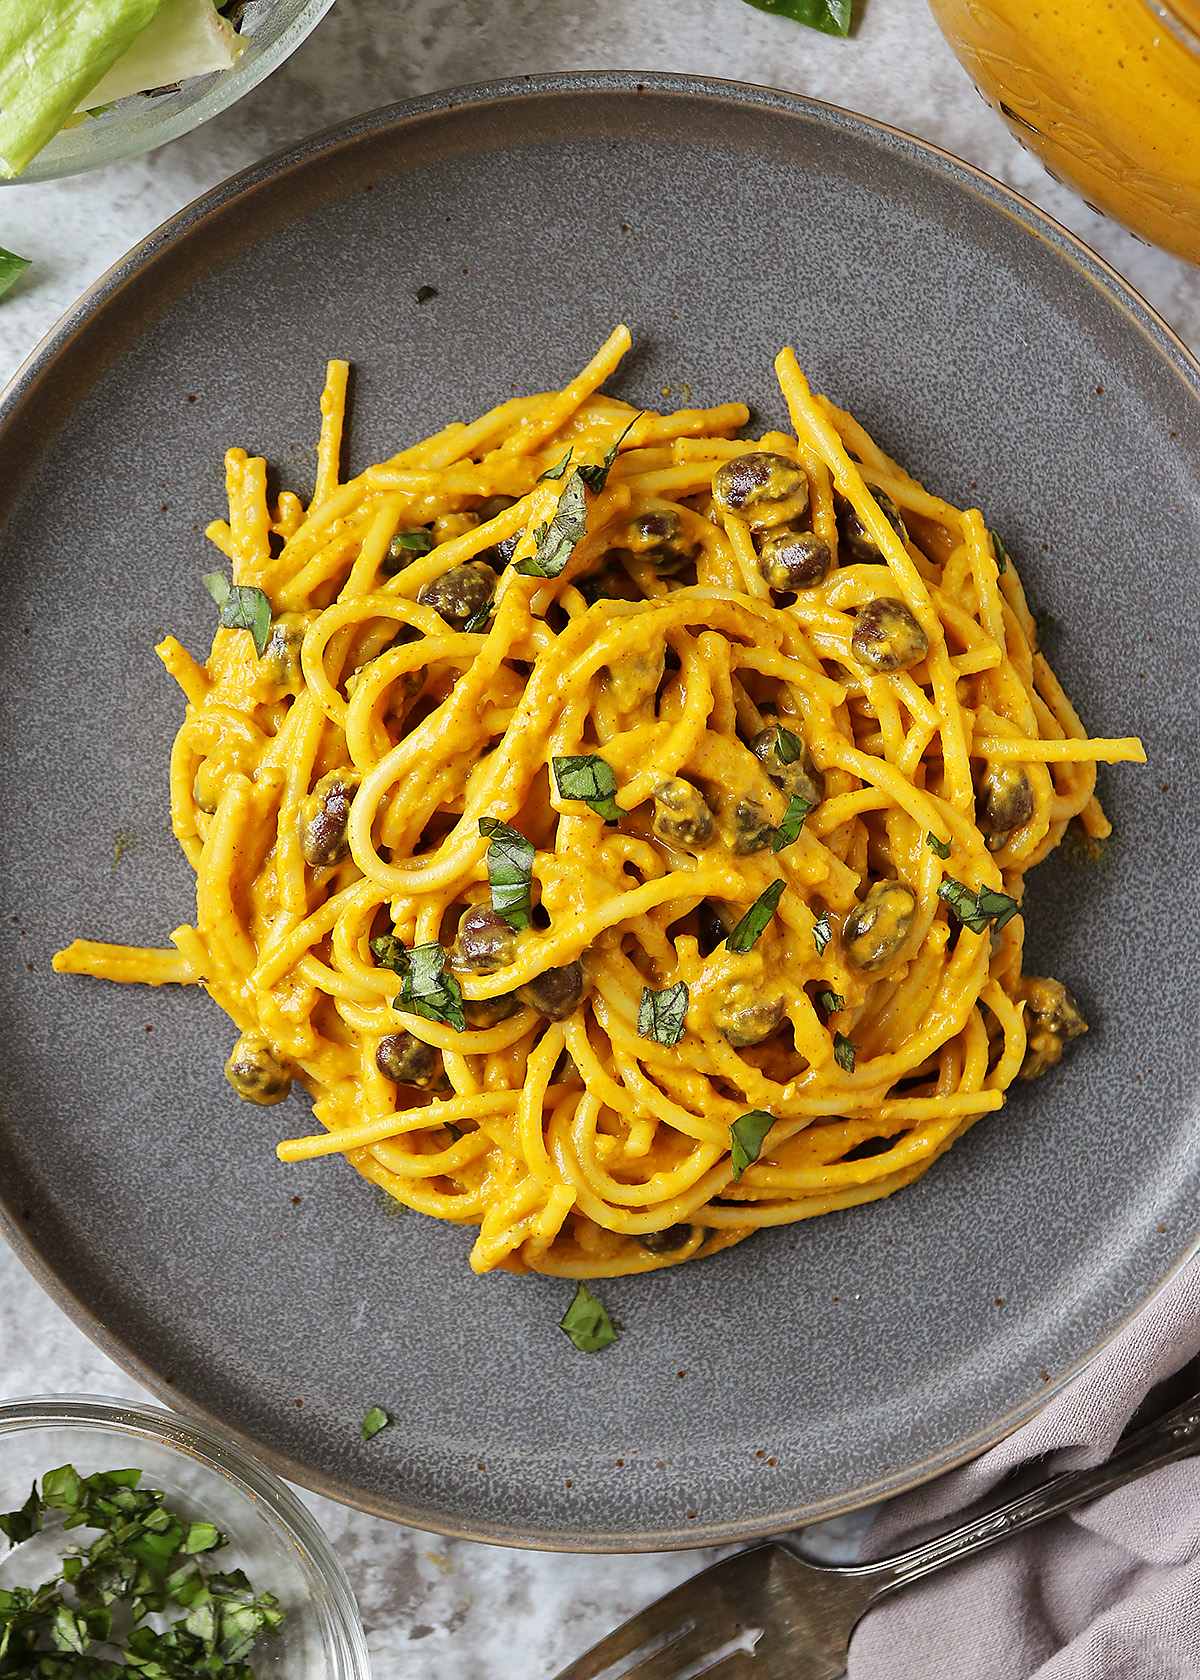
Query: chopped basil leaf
{"type": "Point", "coordinates": [424, 293]}
{"type": "Point", "coordinates": [756, 918]}
{"type": "Point", "coordinates": [821, 932]}
{"type": "Point", "coordinates": [831, 1002]}
{"type": "Point", "coordinates": [19, 1525]}
{"type": "Point", "coordinates": [661, 1014]}
{"type": "Point", "coordinates": [556, 541]}
{"type": "Point", "coordinates": [410, 545]}
{"type": "Point", "coordinates": [788, 831]}
{"type": "Point", "coordinates": [998, 549]}
{"type": "Point", "coordinates": [456, 1132]}
{"type": "Point", "coordinates": [202, 1537]}
{"type": "Point", "coordinates": [589, 778]}
{"type": "Point", "coordinates": [587, 1323]}
{"type": "Point", "coordinates": [480, 619]}
{"type": "Point", "coordinates": [242, 608]}
{"type": "Point", "coordinates": [510, 872]}
{"type": "Point", "coordinates": [941, 847]}
{"type": "Point", "coordinates": [217, 585]}
{"type": "Point", "coordinates": [831, 17]}
{"type": "Point", "coordinates": [788, 747]}
{"type": "Point", "coordinates": [390, 952]}
{"type": "Point", "coordinates": [843, 1052]}
{"type": "Point", "coordinates": [597, 477]}
{"type": "Point", "coordinates": [558, 469]}
{"type": "Point", "coordinates": [375, 1420]}
{"type": "Point", "coordinates": [11, 269]}
{"type": "Point", "coordinates": [978, 910]}
{"type": "Point", "coordinates": [746, 1139]}
{"type": "Point", "coordinates": [430, 990]}
{"type": "Point", "coordinates": [144, 1559]}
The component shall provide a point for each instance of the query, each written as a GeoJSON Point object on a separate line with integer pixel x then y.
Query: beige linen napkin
{"type": "Point", "coordinates": [1111, 1592]}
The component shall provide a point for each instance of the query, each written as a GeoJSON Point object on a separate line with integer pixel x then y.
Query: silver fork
{"type": "Point", "coordinates": [769, 1614]}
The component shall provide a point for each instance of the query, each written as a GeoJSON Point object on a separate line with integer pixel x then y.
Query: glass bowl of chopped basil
{"type": "Point", "coordinates": [137, 1542]}
{"type": "Point", "coordinates": [85, 86]}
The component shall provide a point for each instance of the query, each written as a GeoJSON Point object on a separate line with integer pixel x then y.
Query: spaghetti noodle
{"type": "Point", "coordinates": [620, 827]}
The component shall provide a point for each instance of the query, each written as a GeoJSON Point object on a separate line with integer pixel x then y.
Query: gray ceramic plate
{"type": "Point", "coordinates": [810, 1369]}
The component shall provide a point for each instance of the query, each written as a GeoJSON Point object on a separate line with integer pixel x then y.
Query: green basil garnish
{"type": "Point", "coordinates": [788, 831]}
{"type": "Point", "coordinates": [998, 550]}
{"type": "Point", "coordinates": [788, 747]}
{"type": "Point", "coordinates": [242, 608]}
{"type": "Point", "coordinates": [746, 1139]}
{"type": "Point", "coordinates": [843, 1052]}
{"type": "Point", "coordinates": [978, 910]}
{"type": "Point", "coordinates": [145, 1560]}
{"type": "Point", "coordinates": [597, 477]}
{"type": "Point", "coordinates": [428, 988]}
{"type": "Point", "coordinates": [556, 541]}
{"type": "Point", "coordinates": [589, 778]}
{"type": "Point", "coordinates": [424, 293]}
{"type": "Point", "coordinates": [558, 469]}
{"type": "Point", "coordinates": [821, 932]}
{"type": "Point", "coordinates": [661, 1014]}
{"type": "Point", "coordinates": [941, 847]}
{"type": "Point", "coordinates": [390, 952]}
{"type": "Point", "coordinates": [480, 619]}
{"type": "Point", "coordinates": [587, 1323]}
{"type": "Point", "coordinates": [375, 1420]}
{"type": "Point", "coordinates": [831, 1002]}
{"type": "Point", "coordinates": [831, 17]}
{"type": "Point", "coordinates": [11, 268]}
{"type": "Point", "coordinates": [510, 872]}
{"type": "Point", "coordinates": [747, 931]}
{"type": "Point", "coordinates": [410, 545]}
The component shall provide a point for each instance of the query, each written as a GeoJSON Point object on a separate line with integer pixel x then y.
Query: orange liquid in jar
{"type": "Point", "coordinates": [1106, 92]}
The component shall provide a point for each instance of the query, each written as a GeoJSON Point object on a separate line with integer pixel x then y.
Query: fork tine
{"type": "Point", "coordinates": [709, 1598]}
{"type": "Point", "coordinates": [738, 1665]}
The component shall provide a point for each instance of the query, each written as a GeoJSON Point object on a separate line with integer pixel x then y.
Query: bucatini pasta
{"type": "Point", "coordinates": [619, 827]}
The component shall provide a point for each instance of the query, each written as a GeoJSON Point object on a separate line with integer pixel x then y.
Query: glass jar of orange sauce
{"type": "Point", "coordinates": [1106, 92]}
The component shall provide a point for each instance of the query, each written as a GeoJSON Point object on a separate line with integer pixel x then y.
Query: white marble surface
{"type": "Point", "coordinates": [437, 1608]}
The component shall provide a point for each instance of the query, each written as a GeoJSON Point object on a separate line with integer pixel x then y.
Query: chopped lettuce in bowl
{"type": "Point", "coordinates": [85, 85]}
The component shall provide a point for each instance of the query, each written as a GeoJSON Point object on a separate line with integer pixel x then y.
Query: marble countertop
{"type": "Point", "coordinates": [436, 1608]}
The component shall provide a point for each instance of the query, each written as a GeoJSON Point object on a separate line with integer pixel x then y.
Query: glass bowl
{"type": "Point", "coordinates": [272, 30]}
{"type": "Point", "coordinates": [1107, 95]}
{"type": "Point", "coordinates": [271, 1535]}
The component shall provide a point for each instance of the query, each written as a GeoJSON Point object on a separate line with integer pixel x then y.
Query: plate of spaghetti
{"type": "Point", "coordinates": [630, 790]}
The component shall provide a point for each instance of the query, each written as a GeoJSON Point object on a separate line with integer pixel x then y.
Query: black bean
{"type": "Point", "coordinates": [854, 545]}
{"type": "Point", "coordinates": [325, 816]}
{"type": "Point", "coordinates": [556, 993]}
{"type": "Point", "coordinates": [876, 930]}
{"type": "Point", "coordinates": [887, 637]}
{"type": "Point", "coordinates": [485, 943]}
{"type": "Point", "coordinates": [681, 816]}
{"type": "Point", "coordinates": [257, 1072]}
{"type": "Point", "coordinates": [762, 488]}
{"type": "Point", "coordinates": [407, 1060]}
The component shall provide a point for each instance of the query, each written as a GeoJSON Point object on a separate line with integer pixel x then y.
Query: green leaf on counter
{"type": "Point", "coordinates": [586, 1322]}
{"type": "Point", "coordinates": [831, 17]}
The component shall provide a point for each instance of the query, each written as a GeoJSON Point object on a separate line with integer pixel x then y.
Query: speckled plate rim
{"type": "Point", "coordinates": [955, 173]}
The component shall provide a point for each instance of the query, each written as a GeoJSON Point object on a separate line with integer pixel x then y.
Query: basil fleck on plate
{"type": "Point", "coordinates": [816, 1366]}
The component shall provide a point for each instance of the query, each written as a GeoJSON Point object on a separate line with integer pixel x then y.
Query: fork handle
{"type": "Point", "coordinates": [1174, 1436]}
